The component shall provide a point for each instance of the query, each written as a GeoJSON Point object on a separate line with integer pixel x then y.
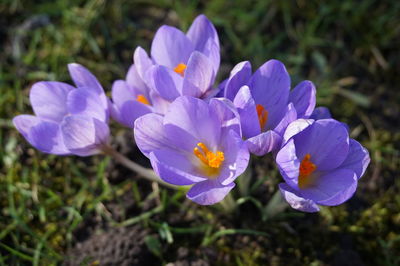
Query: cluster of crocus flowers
{"type": "Point", "coordinates": [201, 134]}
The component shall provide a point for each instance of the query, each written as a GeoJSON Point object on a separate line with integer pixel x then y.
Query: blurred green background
{"type": "Point", "coordinates": [56, 210]}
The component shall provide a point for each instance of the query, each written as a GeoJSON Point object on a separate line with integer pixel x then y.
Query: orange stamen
{"type": "Point", "coordinates": [209, 158]}
{"type": "Point", "coordinates": [142, 99]}
{"type": "Point", "coordinates": [180, 69]}
{"type": "Point", "coordinates": [305, 170]}
{"type": "Point", "coordinates": [262, 115]}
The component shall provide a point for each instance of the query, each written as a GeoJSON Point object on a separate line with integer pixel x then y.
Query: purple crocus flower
{"type": "Point", "coordinates": [265, 103]}
{"type": "Point", "coordinates": [320, 164]}
{"type": "Point", "coordinates": [185, 64]}
{"type": "Point", "coordinates": [67, 120]}
{"type": "Point", "coordinates": [195, 143]}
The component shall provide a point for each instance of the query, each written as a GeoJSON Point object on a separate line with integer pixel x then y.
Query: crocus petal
{"type": "Point", "coordinates": [142, 62]}
{"type": "Point", "coordinates": [290, 116]}
{"type": "Point", "coordinates": [121, 92]}
{"type": "Point", "coordinates": [165, 82]}
{"type": "Point", "coordinates": [288, 163]}
{"type": "Point", "coordinates": [226, 112]}
{"type": "Point", "coordinates": [246, 107]}
{"type": "Point", "coordinates": [321, 113]}
{"type": "Point", "coordinates": [357, 159]}
{"type": "Point", "coordinates": [239, 77]}
{"type": "Point", "coordinates": [209, 192]}
{"type": "Point", "coordinates": [41, 134]}
{"type": "Point", "coordinates": [326, 140]}
{"type": "Point", "coordinates": [333, 188]}
{"type": "Point", "coordinates": [170, 47]}
{"type": "Point", "coordinates": [296, 201]}
{"type": "Point", "coordinates": [149, 133]}
{"type": "Point", "coordinates": [211, 51]}
{"type": "Point", "coordinates": [199, 75]}
{"type": "Point", "coordinates": [136, 82]}
{"type": "Point", "coordinates": [174, 167]}
{"type": "Point", "coordinates": [236, 158]}
{"type": "Point", "coordinates": [270, 86]}
{"type": "Point", "coordinates": [84, 135]}
{"type": "Point", "coordinates": [129, 111]}
{"type": "Point", "coordinates": [189, 121]}
{"type": "Point", "coordinates": [296, 127]}
{"type": "Point", "coordinates": [201, 31]}
{"type": "Point", "coordinates": [82, 77]}
{"type": "Point", "coordinates": [48, 99]}
{"type": "Point", "coordinates": [263, 143]}
{"type": "Point", "coordinates": [83, 101]}
{"type": "Point", "coordinates": [303, 98]}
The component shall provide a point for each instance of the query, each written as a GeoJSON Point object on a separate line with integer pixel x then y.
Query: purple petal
{"type": "Point", "coordinates": [239, 77]}
{"type": "Point", "coordinates": [84, 135]}
{"type": "Point", "coordinates": [321, 113]}
{"type": "Point", "coordinates": [82, 77]}
{"type": "Point", "coordinates": [327, 141]}
{"type": "Point", "coordinates": [246, 107]}
{"type": "Point", "coordinates": [134, 81]}
{"type": "Point", "coordinates": [171, 47]}
{"type": "Point", "coordinates": [142, 62]}
{"type": "Point", "coordinates": [270, 86]}
{"type": "Point", "coordinates": [43, 135]}
{"type": "Point", "coordinates": [211, 51]}
{"type": "Point", "coordinates": [121, 92]}
{"type": "Point", "coordinates": [226, 112]}
{"type": "Point", "coordinates": [174, 167]}
{"type": "Point", "coordinates": [48, 99]}
{"type": "Point", "coordinates": [296, 127]}
{"type": "Point", "coordinates": [201, 31]}
{"type": "Point", "coordinates": [83, 101]}
{"type": "Point", "coordinates": [236, 158]}
{"type": "Point", "coordinates": [303, 98]}
{"type": "Point", "coordinates": [290, 116]}
{"type": "Point", "coordinates": [288, 163]}
{"type": "Point", "coordinates": [333, 188]}
{"type": "Point", "coordinates": [165, 82]}
{"type": "Point", "coordinates": [149, 133]}
{"type": "Point", "coordinates": [189, 121]}
{"type": "Point", "coordinates": [264, 143]}
{"type": "Point", "coordinates": [357, 159]}
{"type": "Point", "coordinates": [296, 201]}
{"type": "Point", "coordinates": [199, 73]}
{"type": "Point", "coordinates": [129, 111]}
{"type": "Point", "coordinates": [209, 192]}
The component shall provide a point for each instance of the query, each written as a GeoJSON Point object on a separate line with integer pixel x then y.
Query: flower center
{"type": "Point", "coordinates": [262, 115]}
{"type": "Point", "coordinates": [305, 171]}
{"type": "Point", "coordinates": [142, 99]}
{"type": "Point", "coordinates": [180, 69]}
{"type": "Point", "coordinates": [209, 158]}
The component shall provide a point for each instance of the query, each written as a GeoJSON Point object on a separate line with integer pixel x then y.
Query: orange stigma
{"type": "Point", "coordinates": [180, 69]}
{"type": "Point", "coordinates": [209, 158]}
{"type": "Point", "coordinates": [142, 99]}
{"type": "Point", "coordinates": [305, 170]}
{"type": "Point", "coordinates": [262, 115]}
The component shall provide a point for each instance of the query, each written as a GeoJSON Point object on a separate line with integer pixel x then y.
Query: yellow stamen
{"type": "Point", "coordinates": [180, 69]}
{"type": "Point", "coordinates": [209, 158]}
{"type": "Point", "coordinates": [262, 115]}
{"type": "Point", "coordinates": [305, 171]}
{"type": "Point", "coordinates": [142, 99]}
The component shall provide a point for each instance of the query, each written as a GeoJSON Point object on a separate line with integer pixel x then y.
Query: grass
{"type": "Point", "coordinates": [349, 50]}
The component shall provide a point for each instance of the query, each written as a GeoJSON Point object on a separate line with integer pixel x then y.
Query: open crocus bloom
{"type": "Point", "coordinates": [185, 64]}
{"type": "Point", "coordinates": [265, 103]}
{"type": "Point", "coordinates": [320, 164]}
{"type": "Point", "coordinates": [195, 143]}
{"type": "Point", "coordinates": [68, 120]}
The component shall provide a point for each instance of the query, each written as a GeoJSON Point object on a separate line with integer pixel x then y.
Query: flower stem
{"type": "Point", "coordinates": [142, 171]}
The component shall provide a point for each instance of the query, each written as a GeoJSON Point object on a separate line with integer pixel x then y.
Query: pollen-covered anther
{"type": "Point", "coordinates": [142, 99]}
{"type": "Point", "coordinates": [262, 115]}
{"type": "Point", "coordinates": [305, 171]}
{"type": "Point", "coordinates": [212, 159]}
{"type": "Point", "coordinates": [180, 69]}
